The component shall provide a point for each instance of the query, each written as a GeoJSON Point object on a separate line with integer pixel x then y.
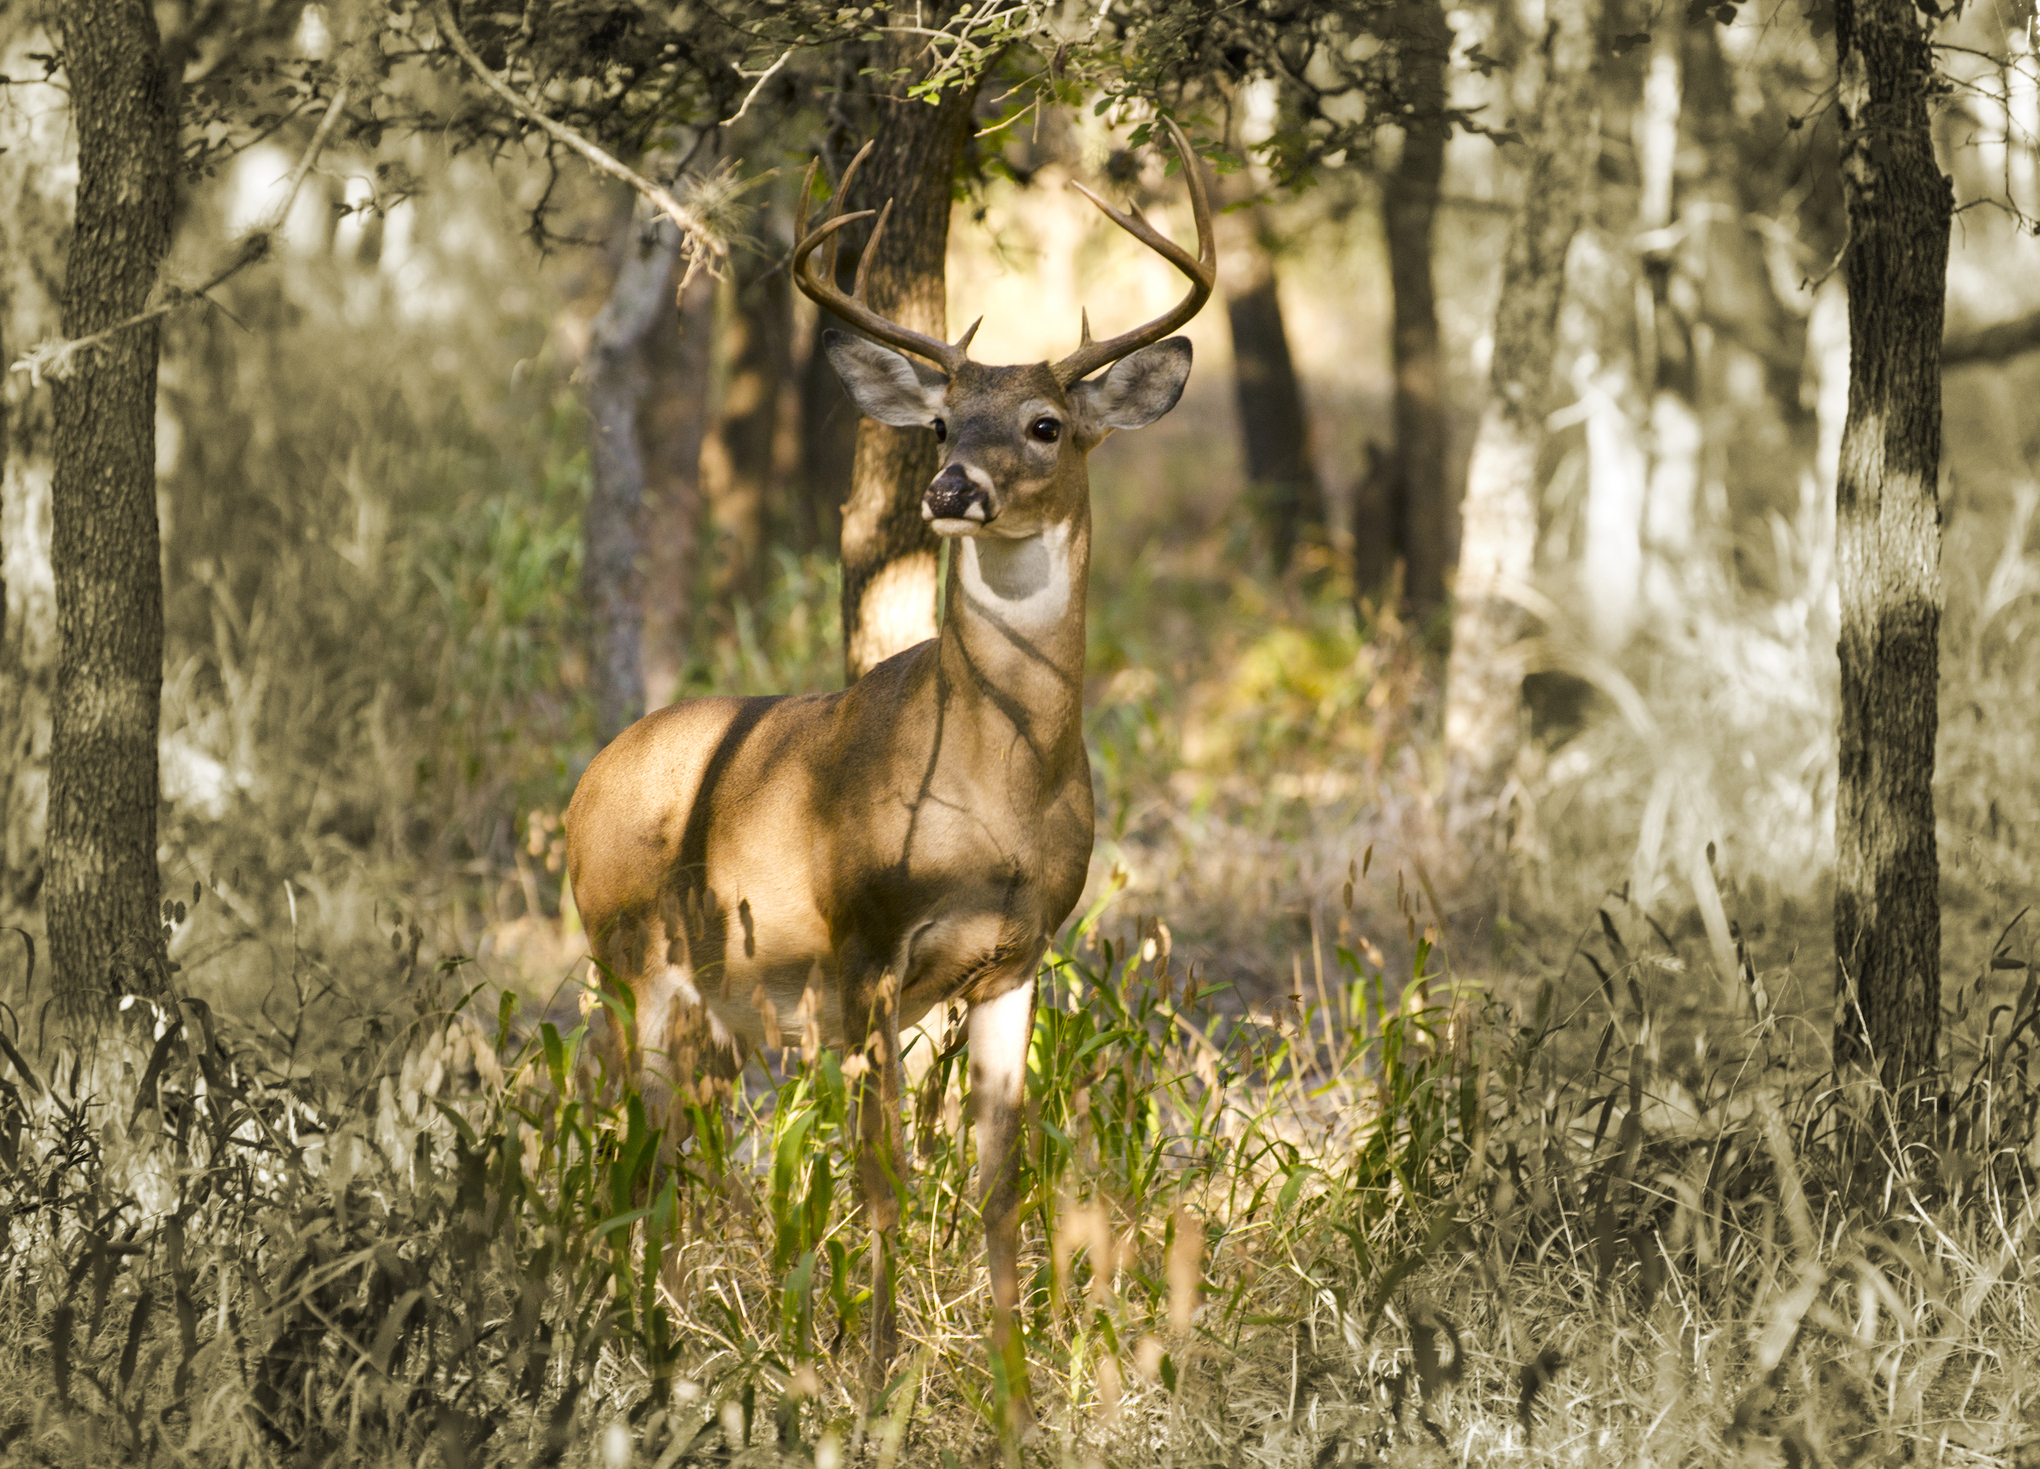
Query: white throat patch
{"type": "Point", "coordinates": [1025, 583]}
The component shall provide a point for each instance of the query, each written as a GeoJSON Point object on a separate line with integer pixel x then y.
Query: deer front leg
{"type": "Point", "coordinates": [1000, 1032]}
{"type": "Point", "coordinates": [871, 1018]}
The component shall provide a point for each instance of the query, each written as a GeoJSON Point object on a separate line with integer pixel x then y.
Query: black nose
{"type": "Point", "coordinates": [951, 495]}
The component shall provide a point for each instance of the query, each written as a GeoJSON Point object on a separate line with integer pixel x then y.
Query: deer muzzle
{"type": "Point", "coordinates": [955, 495]}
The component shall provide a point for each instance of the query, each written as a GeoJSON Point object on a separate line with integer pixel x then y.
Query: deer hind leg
{"type": "Point", "coordinates": [1000, 1032]}
{"type": "Point", "coordinates": [871, 1024]}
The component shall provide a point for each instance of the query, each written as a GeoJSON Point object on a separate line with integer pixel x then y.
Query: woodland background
{"type": "Point", "coordinates": [388, 651]}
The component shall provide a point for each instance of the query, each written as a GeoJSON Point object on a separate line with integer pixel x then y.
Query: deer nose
{"type": "Point", "coordinates": [954, 496]}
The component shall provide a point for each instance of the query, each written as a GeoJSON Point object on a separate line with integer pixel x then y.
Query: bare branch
{"type": "Point", "coordinates": [58, 358]}
{"type": "Point", "coordinates": [763, 77]}
{"type": "Point", "coordinates": [693, 229]}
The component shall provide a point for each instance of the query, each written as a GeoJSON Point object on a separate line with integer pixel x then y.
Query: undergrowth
{"type": "Point", "coordinates": [1384, 1224]}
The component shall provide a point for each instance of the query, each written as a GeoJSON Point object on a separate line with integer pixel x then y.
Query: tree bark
{"type": "Point", "coordinates": [889, 554]}
{"type": "Point", "coordinates": [758, 337]}
{"type": "Point", "coordinates": [105, 547]}
{"type": "Point", "coordinates": [1274, 429]}
{"type": "Point", "coordinates": [612, 583]}
{"type": "Point", "coordinates": [1887, 512]}
{"type": "Point", "coordinates": [672, 423]}
{"type": "Point", "coordinates": [1408, 208]}
{"type": "Point", "coordinates": [1484, 677]}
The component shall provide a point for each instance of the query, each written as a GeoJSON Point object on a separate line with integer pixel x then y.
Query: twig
{"type": "Point", "coordinates": [59, 359]}
{"type": "Point", "coordinates": [759, 86]}
{"type": "Point", "coordinates": [699, 238]}
{"type": "Point", "coordinates": [296, 179]}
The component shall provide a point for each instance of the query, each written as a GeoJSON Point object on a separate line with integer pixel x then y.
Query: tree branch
{"type": "Point", "coordinates": [59, 358]}
{"type": "Point", "coordinates": [694, 230]}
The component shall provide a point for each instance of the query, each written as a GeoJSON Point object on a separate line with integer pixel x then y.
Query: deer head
{"type": "Point", "coordinates": [1015, 438]}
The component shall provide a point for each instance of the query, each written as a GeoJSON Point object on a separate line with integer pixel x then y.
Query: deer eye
{"type": "Point", "coordinates": [941, 431]}
{"type": "Point", "coordinates": [1046, 429]}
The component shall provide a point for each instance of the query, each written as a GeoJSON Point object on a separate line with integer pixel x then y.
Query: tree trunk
{"type": "Point", "coordinates": [828, 441]}
{"type": "Point", "coordinates": [759, 340]}
{"type": "Point", "coordinates": [105, 549]}
{"type": "Point", "coordinates": [1376, 525]}
{"type": "Point", "coordinates": [1408, 207]}
{"type": "Point", "coordinates": [672, 422]}
{"type": "Point", "coordinates": [612, 584]}
{"type": "Point", "coordinates": [1887, 901]}
{"type": "Point", "coordinates": [889, 554]}
{"type": "Point", "coordinates": [1672, 493]}
{"type": "Point", "coordinates": [32, 229]}
{"type": "Point", "coordinates": [1484, 678]}
{"type": "Point", "coordinates": [1274, 429]}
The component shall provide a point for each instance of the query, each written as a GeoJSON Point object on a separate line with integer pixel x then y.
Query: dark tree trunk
{"type": "Point", "coordinates": [672, 422]}
{"type": "Point", "coordinates": [105, 548]}
{"type": "Point", "coordinates": [1274, 430]}
{"type": "Point", "coordinates": [828, 443]}
{"type": "Point", "coordinates": [1408, 207]}
{"type": "Point", "coordinates": [889, 554]}
{"type": "Point", "coordinates": [612, 583]}
{"type": "Point", "coordinates": [1484, 678]}
{"type": "Point", "coordinates": [1377, 524]}
{"type": "Point", "coordinates": [759, 341]}
{"type": "Point", "coordinates": [1888, 545]}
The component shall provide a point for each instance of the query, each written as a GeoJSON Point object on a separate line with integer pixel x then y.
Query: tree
{"type": "Point", "coordinates": [1887, 513]}
{"type": "Point", "coordinates": [612, 581]}
{"type": "Point", "coordinates": [1408, 207]}
{"type": "Point", "coordinates": [1484, 676]}
{"type": "Point", "coordinates": [1274, 429]}
{"type": "Point", "coordinates": [1275, 438]}
{"type": "Point", "coordinates": [889, 554]}
{"type": "Point", "coordinates": [105, 548]}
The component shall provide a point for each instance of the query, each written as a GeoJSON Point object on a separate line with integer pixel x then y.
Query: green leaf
{"type": "Point", "coordinates": [1298, 1177]}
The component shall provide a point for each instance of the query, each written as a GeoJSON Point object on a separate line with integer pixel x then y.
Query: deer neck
{"type": "Point", "coordinates": [1013, 633]}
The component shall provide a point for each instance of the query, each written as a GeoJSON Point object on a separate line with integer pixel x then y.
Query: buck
{"type": "Point", "coordinates": [836, 865]}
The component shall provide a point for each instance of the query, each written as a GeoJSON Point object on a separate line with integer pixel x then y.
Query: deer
{"type": "Point", "coordinates": [837, 865]}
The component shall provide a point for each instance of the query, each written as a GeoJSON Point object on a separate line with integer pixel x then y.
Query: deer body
{"type": "Point", "coordinates": [934, 819]}
{"type": "Point", "coordinates": [830, 867]}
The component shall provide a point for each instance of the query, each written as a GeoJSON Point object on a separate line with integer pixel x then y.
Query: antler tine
{"type": "Point", "coordinates": [821, 288]}
{"type": "Point", "coordinates": [841, 197]}
{"type": "Point", "coordinates": [870, 252]}
{"type": "Point", "coordinates": [1202, 270]}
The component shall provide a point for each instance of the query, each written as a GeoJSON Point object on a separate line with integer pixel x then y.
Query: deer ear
{"type": "Point", "coordinates": [1134, 391]}
{"type": "Point", "coordinates": [883, 384]}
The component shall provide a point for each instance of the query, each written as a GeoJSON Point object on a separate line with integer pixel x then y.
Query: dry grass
{"type": "Point", "coordinates": [1375, 1229]}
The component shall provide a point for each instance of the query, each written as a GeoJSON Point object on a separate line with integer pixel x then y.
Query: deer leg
{"type": "Point", "coordinates": [1000, 1032]}
{"type": "Point", "coordinates": [871, 1018]}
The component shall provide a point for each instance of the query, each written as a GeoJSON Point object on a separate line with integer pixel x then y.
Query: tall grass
{"type": "Point", "coordinates": [1349, 1229]}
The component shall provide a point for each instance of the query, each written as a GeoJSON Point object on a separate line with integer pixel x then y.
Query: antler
{"type": "Point", "coordinates": [825, 293]}
{"type": "Point", "coordinates": [1203, 271]}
